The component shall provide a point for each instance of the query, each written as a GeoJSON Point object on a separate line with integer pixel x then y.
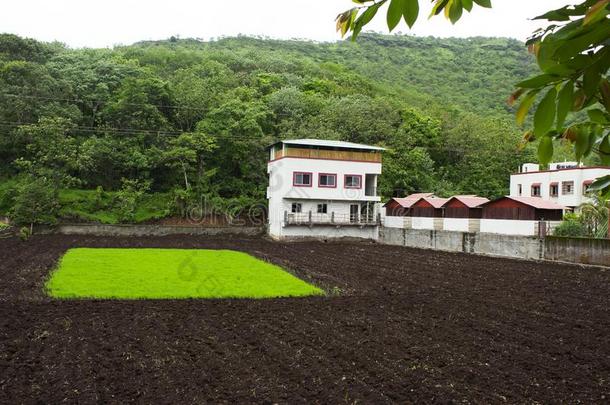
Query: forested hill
{"type": "Point", "coordinates": [187, 118]}
{"type": "Point", "coordinates": [475, 74]}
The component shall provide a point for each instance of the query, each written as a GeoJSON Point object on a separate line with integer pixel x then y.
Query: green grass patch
{"type": "Point", "coordinates": [171, 273]}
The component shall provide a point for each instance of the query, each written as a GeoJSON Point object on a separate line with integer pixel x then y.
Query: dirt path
{"type": "Point", "coordinates": [409, 326]}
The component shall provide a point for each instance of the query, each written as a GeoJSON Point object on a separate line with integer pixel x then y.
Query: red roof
{"type": "Point", "coordinates": [409, 200]}
{"type": "Point", "coordinates": [471, 201]}
{"type": "Point", "coordinates": [535, 202]}
{"type": "Point", "coordinates": [435, 201]}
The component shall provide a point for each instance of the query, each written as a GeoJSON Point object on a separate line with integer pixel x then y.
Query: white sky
{"type": "Point", "coordinates": [85, 23]}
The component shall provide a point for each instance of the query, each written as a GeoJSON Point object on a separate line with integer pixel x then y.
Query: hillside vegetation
{"type": "Point", "coordinates": [190, 120]}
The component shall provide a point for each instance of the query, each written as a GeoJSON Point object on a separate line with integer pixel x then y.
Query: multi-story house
{"type": "Point", "coordinates": [320, 188]}
{"type": "Point", "coordinates": [563, 183]}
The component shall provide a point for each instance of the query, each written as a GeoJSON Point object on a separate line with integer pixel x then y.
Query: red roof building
{"type": "Point", "coordinates": [431, 207]}
{"type": "Point", "coordinates": [523, 208]}
{"type": "Point", "coordinates": [399, 207]}
{"type": "Point", "coordinates": [464, 206]}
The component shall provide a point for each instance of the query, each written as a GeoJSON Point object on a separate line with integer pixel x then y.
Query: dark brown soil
{"type": "Point", "coordinates": [408, 326]}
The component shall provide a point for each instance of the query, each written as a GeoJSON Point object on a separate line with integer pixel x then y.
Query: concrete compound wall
{"type": "Point", "coordinates": [480, 243]}
{"type": "Point", "coordinates": [155, 230]}
{"type": "Point", "coordinates": [578, 250]}
{"type": "Point", "coordinates": [574, 250]}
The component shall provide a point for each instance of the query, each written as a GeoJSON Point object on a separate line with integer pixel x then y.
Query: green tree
{"type": "Point", "coordinates": [36, 202]}
{"type": "Point", "coordinates": [187, 153]}
{"type": "Point", "coordinates": [50, 150]}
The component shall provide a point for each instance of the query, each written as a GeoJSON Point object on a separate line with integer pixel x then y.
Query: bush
{"type": "Point", "coordinates": [36, 202]}
{"type": "Point", "coordinates": [25, 233]}
{"type": "Point", "coordinates": [570, 227]}
{"type": "Point", "coordinates": [129, 197]}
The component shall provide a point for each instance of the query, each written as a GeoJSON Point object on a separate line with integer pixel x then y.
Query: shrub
{"type": "Point", "coordinates": [36, 202]}
{"type": "Point", "coordinates": [25, 233]}
{"type": "Point", "coordinates": [129, 197]}
{"type": "Point", "coordinates": [570, 227]}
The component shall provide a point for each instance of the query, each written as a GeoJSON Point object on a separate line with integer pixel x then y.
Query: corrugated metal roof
{"type": "Point", "coordinates": [471, 201]}
{"type": "Point", "coordinates": [536, 202]}
{"type": "Point", "coordinates": [408, 201]}
{"type": "Point", "coordinates": [329, 144]}
{"type": "Point", "coordinates": [436, 202]}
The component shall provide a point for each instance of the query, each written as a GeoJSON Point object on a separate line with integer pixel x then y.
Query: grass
{"type": "Point", "coordinates": [170, 273]}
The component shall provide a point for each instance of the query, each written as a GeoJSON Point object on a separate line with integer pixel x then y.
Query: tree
{"type": "Point", "coordinates": [50, 150]}
{"type": "Point", "coordinates": [187, 153]}
{"type": "Point", "coordinates": [36, 202]}
{"type": "Point", "coordinates": [573, 54]}
{"type": "Point", "coordinates": [594, 216]}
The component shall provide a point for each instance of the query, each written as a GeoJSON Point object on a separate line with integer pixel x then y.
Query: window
{"type": "Point", "coordinates": [322, 208]}
{"type": "Point", "coordinates": [301, 179]}
{"type": "Point", "coordinates": [586, 186]}
{"type": "Point", "coordinates": [567, 187]}
{"type": "Point", "coordinates": [353, 181]}
{"type": "Point", "coordinates": [327, 180]}
{"type": "Point", "coordinates": [554, 190]}
{"type": "Point", "coordinates": [296, 208]}
{"type": "Point", "coordinates": [536, 190]}
{"type": "Point", "coordinates": [520, 187]}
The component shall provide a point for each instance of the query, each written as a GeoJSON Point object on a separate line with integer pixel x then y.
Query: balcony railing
{"type": "Point", "coordinates": [311, 219]}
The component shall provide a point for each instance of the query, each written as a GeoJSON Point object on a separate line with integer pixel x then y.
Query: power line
{"type": "Point", "coordinates": [136, 131]}
{"type": "Point", "coordinates": [93, 102]}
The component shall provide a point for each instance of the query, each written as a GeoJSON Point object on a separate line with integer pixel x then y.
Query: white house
{"type": "Point", "coordinates": [320, 188]}
{"type": "Point", "coordinates": [564, 183]}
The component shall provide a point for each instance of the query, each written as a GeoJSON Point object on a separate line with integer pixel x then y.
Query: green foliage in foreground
{"type": "Point", "coordinates": [573, 55]}
{"type": "Point", "coordinates": [171, 273]}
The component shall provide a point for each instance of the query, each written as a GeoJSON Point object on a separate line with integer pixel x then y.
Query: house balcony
{"type": "Point", "coordinates": [332, 219]}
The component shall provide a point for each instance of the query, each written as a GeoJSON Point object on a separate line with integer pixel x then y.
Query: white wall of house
{"type": "Point", "coordinates": [330, 232]}
{"type": "Point", "coordinates": [578, 176]}
{"type": "Point", "coordinates": [281, 193]}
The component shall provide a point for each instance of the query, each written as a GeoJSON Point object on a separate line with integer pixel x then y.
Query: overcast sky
{"type": "Point", "coordinates": [84, 23]}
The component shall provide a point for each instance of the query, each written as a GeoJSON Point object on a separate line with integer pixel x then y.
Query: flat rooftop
{"type": "Point", "coordinates": [322, 143]}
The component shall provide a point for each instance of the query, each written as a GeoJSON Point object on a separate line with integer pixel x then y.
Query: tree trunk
{"type": "Point", "coordinates": [186, 179]}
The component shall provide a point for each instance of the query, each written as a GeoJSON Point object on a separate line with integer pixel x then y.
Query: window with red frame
{"type": "Point", "coordinates": [353, 181]}
{"type": "Point", "coordinates": [327, 180]}
{"type": "Point", "coordinates": [301, 179]}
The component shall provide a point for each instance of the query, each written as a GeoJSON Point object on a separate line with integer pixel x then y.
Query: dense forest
{"type": "Point", "coordinates": [140, 132]}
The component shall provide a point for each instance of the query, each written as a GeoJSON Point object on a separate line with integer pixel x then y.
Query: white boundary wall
{"type": "Point", "coordinates": [395, 222]}
{"type": "Point", "coordinates": [422, 223]}
{"type": "Point", "coordinates": [509, 227]}
{"type": "Point", "coordinates": [495, 226]}
{"type": "Point", "coordinates": [456, 224]}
